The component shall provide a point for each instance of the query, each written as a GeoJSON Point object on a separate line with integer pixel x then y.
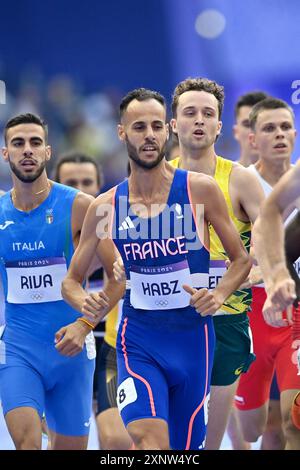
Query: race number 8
{"type": "Point", "coordinates": [126, 393]}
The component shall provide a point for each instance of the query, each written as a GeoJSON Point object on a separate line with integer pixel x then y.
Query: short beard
{"type": "Point", "coordinates": [133, 155]}
{"type": "Point", "coordinates": [27, 178]}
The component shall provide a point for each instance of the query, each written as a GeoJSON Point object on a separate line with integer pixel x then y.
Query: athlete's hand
{"type": "Point", "coordinates": [95, 306]}
{"type": "Point", "coordinates": [283, 293]}
{"type": "Point", "coordinates": [273, 315]}
{"type": "Point", "coordinates": [204, 301]}
{"type": "Point", "coordinates": [255, 276]}
{"type": "Point", "coordinates": [119, 271]}
{"type": "Point", "coordinates": [69, 340]}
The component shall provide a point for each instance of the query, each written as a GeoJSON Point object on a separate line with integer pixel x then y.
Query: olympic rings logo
{"type": "Point", "coordinates": [161, 303]}
{"type": "Point", "coordinates": [36, 296]}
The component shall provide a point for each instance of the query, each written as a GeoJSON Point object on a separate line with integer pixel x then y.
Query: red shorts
{"type": "Point", "coordinates": [274, 351]}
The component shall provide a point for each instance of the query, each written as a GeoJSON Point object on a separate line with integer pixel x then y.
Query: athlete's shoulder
{"type": "Point", "coordinates": [101, 211]}
{"type": "Point", "coordinates": [5, 201]}
{"type": "Point", "coordinates": [4, 197]}
{"type": "Point", "coordinates": [103, 204]}
{"type": "Point", "coordinates": [105, 198]}
{"type": "Point", "coordinates": [82, 200]}
{"type": "Point", "coordinates": [242, 177]}
{"type": "Point", "coordinates": [80, 207]}
{"type": "Point", "coordinates": [246, 190]}
{"type": "Point", "coordinates": [238, 169]}
{"type": "Point", "coordinates": [201, 185]}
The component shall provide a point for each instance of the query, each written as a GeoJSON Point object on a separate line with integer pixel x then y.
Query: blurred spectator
{"type": "Point", "coordinates": [79, 171]}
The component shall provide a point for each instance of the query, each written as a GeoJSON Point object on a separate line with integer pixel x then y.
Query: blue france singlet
{"type": "Point", "coordinates": [161, 253]}
{"type": "Point", "coordinates": [164, 347]}
{"type": "Point", "coordinates": [35, 252]}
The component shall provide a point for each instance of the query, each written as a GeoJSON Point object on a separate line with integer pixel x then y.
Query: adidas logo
{"type": "Point", "coordinates": [126, 224]}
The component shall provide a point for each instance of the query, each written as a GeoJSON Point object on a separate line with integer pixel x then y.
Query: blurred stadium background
{"type": "Point", "coordinates": [71, 62]}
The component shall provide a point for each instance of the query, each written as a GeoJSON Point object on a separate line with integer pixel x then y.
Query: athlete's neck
{"type": "Point", "coordinates": [247, 159]}
{"type": "Point", "coordinates": [272, 171]}
{"type": "Point", "coordinates": [149, 186]}
{"type": "Point", "coordinates": [202, 161]}
{"type": "Point", "coordinates": [28, 196]}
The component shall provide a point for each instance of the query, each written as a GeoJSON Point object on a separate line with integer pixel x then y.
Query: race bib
{"type": "Point", "coordinates": [35, 281]}
{"type": "Point", "coordinates": [217, 269]}
{"type": "Point", "coordinates": [160, 287]}
{"type": "Point", "coordinates": [126, 393]}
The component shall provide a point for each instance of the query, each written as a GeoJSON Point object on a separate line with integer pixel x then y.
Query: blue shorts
{"type": "Point", "coordinates": [34, 374]}
{"type": "Point", "coordinates": [164, 369]}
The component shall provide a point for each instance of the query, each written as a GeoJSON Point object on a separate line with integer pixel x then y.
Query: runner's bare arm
{"type": "Point", "coordinates": [292, 249]}
{"type": "Point", "coordinates": [268, 238]}
{"type": "Point", "coordinates": [80, 207]}
{"type": "Point", "coordinates": [79, 211]}
{"type": "Point", "coordinates": [93, 239]}
{"type": "Point", "coordinates": [248, 191]}
{"type": "Point", "coordinates": [207, 192]}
